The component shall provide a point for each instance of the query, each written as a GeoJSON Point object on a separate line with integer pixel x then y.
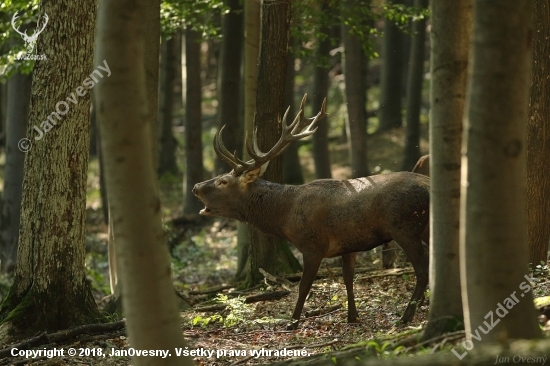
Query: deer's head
{"type": "Point", "coordinates": [227, 195]}
{"type": "Point", "coordinates": [29, 40]}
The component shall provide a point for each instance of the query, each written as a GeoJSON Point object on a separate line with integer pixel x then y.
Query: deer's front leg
{"type": "Point", "coordinates": [311, 266]}
{"type": "Point", "coordinates": [348, 270]}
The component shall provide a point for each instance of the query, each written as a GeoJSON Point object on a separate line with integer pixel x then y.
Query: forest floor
{"type": "Point", "coordinates": [223, 325]}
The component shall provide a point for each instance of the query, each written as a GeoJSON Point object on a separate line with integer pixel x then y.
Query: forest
{"type": "Point", "coordinates": [246, 182]}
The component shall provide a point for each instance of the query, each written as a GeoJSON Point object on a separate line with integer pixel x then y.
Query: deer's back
{"type": "Point", "coordinates": [342, 216]}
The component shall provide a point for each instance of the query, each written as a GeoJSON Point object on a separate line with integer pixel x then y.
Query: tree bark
{"type": "Point", "coordinates": [193, 119]}
{"type": "Point", "coordinates": [320, 90]}
{"type": "Point", "coordinates": [268, 252]}
{"type": "Point", "coordinates": [538, 139]}
{"type": "Point", "coordinates": [450, 45]}
{"type": "Point", "coordinates": [167, 147]}
{"type": "Point", "coordinates": [392, 75]}
{"type": "Point", "coordinates": [415, 80]}
{"type": "Point", "coordinates": [19, 97]}
{"type": "Point", "coordinates": [252, 22]}
{"type": "Point", "coordinates": [493, 244]}
{"type": "Point", "coordinates": [292, 169]}
{"type": "Point", "coordinates": [354, 65]}
{"type": "Point", "coordinates": [230, 83]}
{"type": "Point", "coordinates": [51, 253]}
{"type": "Point", "coordinates": [126, 130]}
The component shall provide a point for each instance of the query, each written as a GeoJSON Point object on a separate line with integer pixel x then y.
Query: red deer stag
{"type": "Point", "coordinates": [327, 217]}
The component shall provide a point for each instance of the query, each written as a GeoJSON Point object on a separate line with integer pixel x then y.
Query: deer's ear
{"type": "Point", "coordinates": [251, 175]}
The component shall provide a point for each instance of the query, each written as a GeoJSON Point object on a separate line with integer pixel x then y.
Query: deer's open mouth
{"type": "Point", "coordinates": [205, 211]}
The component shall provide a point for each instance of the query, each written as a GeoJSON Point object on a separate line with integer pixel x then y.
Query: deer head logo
{"type": "Point", "coordinates": [30, 41]}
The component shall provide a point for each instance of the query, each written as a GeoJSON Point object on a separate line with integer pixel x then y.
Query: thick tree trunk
{"type": "Point", "coordinates": [392, 75]}
{"type": "Point", "coordinates": [193, 119]}
{"type": "Point", "coordinates": [320, 90]}
{"type": "Point", "coordinates": [538, 139]}
{"type": "Point", "coordinates": [19, 97]}
{"type": "Point", "coordinates": [292, 169]}
{"type": "Point", "coordinates": [450, 44]}
{"type": "Point", "coordinates": [50, 257]}
{"type": "Point", "coordinates": [354, 65]}
{"type": "Point", "coordinates": [415, 79]}
{"type": "Point", "coordinates": [267, 252]}
{"type": "Point", "coordinates": [230, 81]}
{"type": "Point", "coordinates": [493, 247]}
{"type": "Point", "coordinates": [167, 147]}
{"type": "Point", "coordinates": [126, 130]}
{"type": "Point", "coordinates": [252, 21]}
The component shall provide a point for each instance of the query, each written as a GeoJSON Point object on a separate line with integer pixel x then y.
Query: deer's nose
{"type": "Point", "coordinates": [195, 189]}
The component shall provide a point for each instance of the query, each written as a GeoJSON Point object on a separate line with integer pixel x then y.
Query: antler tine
{"type": "Point", "coordinates": [46, 18]}
{"type": "Point", "coordinates": [299, 128]}
{"type": "Point", "coordinates": [15, 16]}
{"type": "Point", "coordinates": [237, 164]}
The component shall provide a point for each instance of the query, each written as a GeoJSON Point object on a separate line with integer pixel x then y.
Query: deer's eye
{"type": "Point", "coordinates": [221, 182]}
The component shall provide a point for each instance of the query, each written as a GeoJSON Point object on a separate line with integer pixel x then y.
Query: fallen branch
{"type": "Point", "coordinates": [266, 296]}
{"type": "Point", "coordinates": [211, 290]}
{"type": "Point", "coordinates": [321, 312]}
{"type": "Point", "coordinates": [279, 280]}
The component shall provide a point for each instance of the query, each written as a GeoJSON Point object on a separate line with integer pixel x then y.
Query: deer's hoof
{"type": "Point", "coordinates": [293, 325]}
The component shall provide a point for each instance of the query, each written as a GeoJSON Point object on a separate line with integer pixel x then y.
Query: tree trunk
{"type": "Point", "coordinates": [252, 22]}
{"type": "Point", "coordinates": [538, 139]}
{"type": "Point", "coordinates": [268, 252]}
{"type": "Point", "coordinates": [167, 148]}
{"type": "Point", "coordinates": [292, 169]}
{"type": "Point", "coordinates": [493, 248]}
{"type": "Point", "coordinates": [126, 130]}
{"type": "Point", "coordinates": [151, 20]}
{"type": "Point", "coordinates": [51, 253]}
{"type": "Point", "coordinates": [19, 97]}
{"type": "Point", "coordinates": [392, 75]}
{"type": "Point", "coordinates": [354, 60]}
{"type": "Point", "coordinates": [3, 108]}
{"type": "Point", "coordinates": [193, 119]}
{"type": "Point", "coordinates": [414, 91]}
{"type": "Point", "coordinates": [230, 84]}
{"type": "Point", "coordinates": [320, 90]}
{"type": "Point", "coordinates": [450, 45]}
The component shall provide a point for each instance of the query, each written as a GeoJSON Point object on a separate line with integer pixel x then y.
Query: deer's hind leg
{"type": "Point", "coordinates": [413, 248]}
{"type": "Point", "coordinates": [348, 270]}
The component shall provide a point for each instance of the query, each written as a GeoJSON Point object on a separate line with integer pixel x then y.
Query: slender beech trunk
{"type": "Point", "coordinates": [392, 76]}
{"type": "Point", "coordinates": [415, 79]}
{"type": "Point", "coordinates": [126, 131]}
{"type": "Point", "coordinates": [252, 27]}
{"type": "Point", "coordinates": [320, 90]}
{"type": "Point", "coordinates": [450, 45]}
{"type": "Point", "coordinates": [292, 170]}
{"type": "Point", "coordinates": [493, 236]}
{"type": "Point", "coordinates": [268, 252]}
{"type": "Point", "coordinates": [230, 81]}
{"type": "Point", "coordinates": [19, 97]}
{"type": "Point", "coordinates": [167, 146]}
{"type": "Point", "coordinates": [356, 102]}
{"type": "Point", "coordinates": [538, 139]}
{"type": "Point", "coordinates": [193, 122]}
{"type": "Point", "coordinates": [51, 252]}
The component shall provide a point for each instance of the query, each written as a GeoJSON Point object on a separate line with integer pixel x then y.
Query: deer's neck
{"type": "Point", "coordinates": [268, 206]}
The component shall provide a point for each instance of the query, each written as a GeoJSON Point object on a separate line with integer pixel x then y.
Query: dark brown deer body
{"type": "Point", "coordinates": [389, 251]}
{"type": "Point", "coordinates": [327, 218]}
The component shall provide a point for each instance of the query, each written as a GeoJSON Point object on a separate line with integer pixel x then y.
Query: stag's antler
{"type": "Point", "coordinates": [37, 32]}
{"type": "Point", "coordinates": [301, 127]}
{"type": "Point", "coordinates": [15, 16]}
